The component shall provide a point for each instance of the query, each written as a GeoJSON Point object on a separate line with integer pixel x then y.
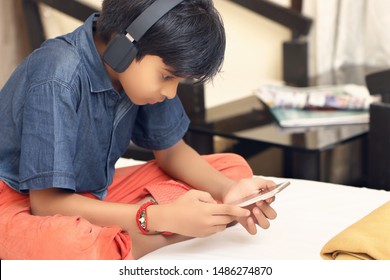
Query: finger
{"type": "Point", "coordinates": [268, 211]}
{"type": "Point", "coordinates": [261, 219]}
{"type": "Point", "coordinates": [251, 226]}
{"type": "Point", "coordinates": [213, 230]}
{"type": "Point", "coordinates": [248, 224]}
{"type": "Point", "coordinates": [263, 183]}
{"type": "Point", "coordinates": [270, 200]}
{"type": "Point", "coordinates": [219, 228]}
{"type": "Point", "coordinates": [222, 220]}
{"type": "Point", "coordinates": [203, 196]}
{"type": "Point", "coordinates": [231, 210]}
{"type": "Point", "coordinates": [259, 203]}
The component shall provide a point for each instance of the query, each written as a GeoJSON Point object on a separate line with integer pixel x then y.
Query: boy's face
{"type": "Point", "coordinates": [148, 81]}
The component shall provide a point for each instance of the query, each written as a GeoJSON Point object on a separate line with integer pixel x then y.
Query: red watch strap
{"type": "Point", "coordinates": [142, 217]}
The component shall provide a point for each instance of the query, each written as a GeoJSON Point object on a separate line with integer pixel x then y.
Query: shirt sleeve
{"type": "Point", "coordinates": [48, 138]}
{"type": "Point", "coordinates": [161, 125]}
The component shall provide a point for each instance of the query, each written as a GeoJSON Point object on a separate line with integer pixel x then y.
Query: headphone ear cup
{"type": "Point", "coordinates": [119, 53]}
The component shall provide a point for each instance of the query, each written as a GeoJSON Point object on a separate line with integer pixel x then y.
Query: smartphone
{"type": "Point", "coordinates": [260, 196]}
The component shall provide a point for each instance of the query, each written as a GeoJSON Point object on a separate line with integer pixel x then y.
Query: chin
{"type": "Point", "coordinates": [138, 102]}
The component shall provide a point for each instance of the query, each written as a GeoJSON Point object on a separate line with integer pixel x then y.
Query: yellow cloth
{"type": "Point", "coordinates": [367, 239]}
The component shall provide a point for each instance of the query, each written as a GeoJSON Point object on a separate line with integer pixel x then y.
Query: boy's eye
{"type": "Point", "coordinates": [166, 77]}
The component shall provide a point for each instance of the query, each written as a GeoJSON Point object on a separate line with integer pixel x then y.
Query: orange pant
{"type": "Point", "coordinates": [25, 236]}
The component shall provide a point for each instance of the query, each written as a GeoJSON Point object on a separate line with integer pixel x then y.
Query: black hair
{"type": "Point", "coordinates": [190, 38]}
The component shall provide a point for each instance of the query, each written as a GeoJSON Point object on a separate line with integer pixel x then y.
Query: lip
{"type": "Point", "coordinates": [152, 101]}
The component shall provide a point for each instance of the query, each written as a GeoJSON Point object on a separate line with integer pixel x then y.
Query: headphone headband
{"type": "Point", "coordinates": [121, 51]}
{"type": "Point", "coordinates": [150, 16]}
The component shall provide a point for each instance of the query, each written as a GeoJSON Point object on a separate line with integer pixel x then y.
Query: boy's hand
{"type": "Point", "coordinates": [196, 214]}
{"type": "Point", "coordinates": [261, 212]}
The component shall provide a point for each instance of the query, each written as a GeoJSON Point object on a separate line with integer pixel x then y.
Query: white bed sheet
{"type": "Point", "coordinates": [309, 214]}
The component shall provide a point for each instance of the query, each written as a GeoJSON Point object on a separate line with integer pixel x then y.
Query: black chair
{"type": "Point", "coordinates": [379, 133]}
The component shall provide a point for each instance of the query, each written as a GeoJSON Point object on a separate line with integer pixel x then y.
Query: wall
{"type": "Point", "coordinates": [13, 38]}
{"type": "Point", "coordinates": [253, 53]}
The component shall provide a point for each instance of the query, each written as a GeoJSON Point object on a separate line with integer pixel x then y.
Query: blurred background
{"type": "Point", "coordinates": [277, 41]}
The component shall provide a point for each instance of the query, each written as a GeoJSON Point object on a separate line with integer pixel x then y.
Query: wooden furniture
{"type": "Point", "coordinates": [379, 134]}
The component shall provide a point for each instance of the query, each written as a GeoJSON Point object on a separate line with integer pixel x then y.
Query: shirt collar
{"type": "Point", "coordinates": [96, 72]}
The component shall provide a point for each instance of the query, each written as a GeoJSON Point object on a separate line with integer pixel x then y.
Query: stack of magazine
{"type": "Point", "coordinates": [317, 106]}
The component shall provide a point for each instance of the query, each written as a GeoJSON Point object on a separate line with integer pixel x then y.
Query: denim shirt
{"type": "Point", "coordinates": [63, 125]}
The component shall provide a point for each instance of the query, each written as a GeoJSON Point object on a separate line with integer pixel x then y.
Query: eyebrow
{"type": "Point", "coordinates": [169, 71]}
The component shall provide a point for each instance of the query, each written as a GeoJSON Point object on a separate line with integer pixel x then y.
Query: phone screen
{"type": "Point", "coordinates": [260, 196]}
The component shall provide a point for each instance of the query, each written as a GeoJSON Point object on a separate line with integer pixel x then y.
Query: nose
{"type": "Point", "coordinates": [169, 95]}
{"type": "Point", "coordinates": [170, 92]}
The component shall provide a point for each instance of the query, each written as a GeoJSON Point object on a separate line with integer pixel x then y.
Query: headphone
{"type": "Point", "coordinates": [121, 51]}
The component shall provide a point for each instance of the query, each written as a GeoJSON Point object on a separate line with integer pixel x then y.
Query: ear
{"type": "Point", "coordinates": [119, 53]}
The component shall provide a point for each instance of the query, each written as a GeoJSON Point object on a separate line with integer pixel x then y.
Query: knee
{"type": "Point", "coordinates": [232, 165]}
{"type": "Point", "coordinates": [237, 161]}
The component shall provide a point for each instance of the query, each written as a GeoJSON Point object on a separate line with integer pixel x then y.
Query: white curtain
{"type": "Point", "coordinates": [348, 32]}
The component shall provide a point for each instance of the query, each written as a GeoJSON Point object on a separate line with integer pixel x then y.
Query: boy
{"type": "Point", "coordinates": [66, 117]}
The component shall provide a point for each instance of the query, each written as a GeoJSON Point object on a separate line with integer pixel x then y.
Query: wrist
{"type": "Point", "coordinates": [142, 217]}
{"type": "Point", "coordinates": [158, 218]}
{"type": "Point", "coordinates": [227, 189]}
